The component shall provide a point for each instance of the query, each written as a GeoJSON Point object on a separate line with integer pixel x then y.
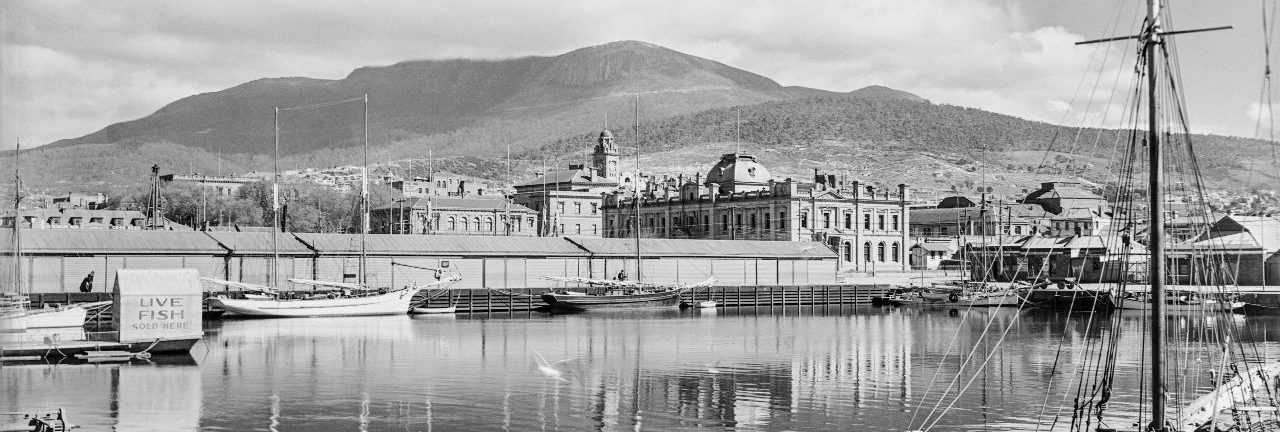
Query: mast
{"type": "Point", "coordinates": [1155, 195]}
{"type": "Point", "coordinates": [636, 186]}
{"type": "Point", "coordinates": [364, 193]}
{"type": "Point", "coordinates": [17, 219]}
{"type": "Point", "coordinates": [275, 198]}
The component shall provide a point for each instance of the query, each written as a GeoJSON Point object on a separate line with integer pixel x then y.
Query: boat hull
{"type": "Point", "coordinates": [392, 303]}
{"type": "Point", "coordinates": [1213, 306]}
{"type": "Point", "coordinates": [658, 300]}
{"type": "Point", "coordinates": [434, 310]}
{"type": "Point", "coordinates": [66, 316]}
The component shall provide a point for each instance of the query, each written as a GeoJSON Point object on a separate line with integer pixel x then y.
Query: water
{"type": "Point", "coordinates": [815, 369]}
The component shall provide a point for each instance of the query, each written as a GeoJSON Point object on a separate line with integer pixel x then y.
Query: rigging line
{"type": "Point", "coordinates": [322, 104]}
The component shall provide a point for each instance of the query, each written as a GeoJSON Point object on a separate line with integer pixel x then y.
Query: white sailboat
{"type": "Point", "coordinates": [16, 313]}
{"type": "Point", "coordinates": [341, 299]}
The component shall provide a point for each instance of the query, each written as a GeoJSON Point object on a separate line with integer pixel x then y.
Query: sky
{"type": "Point", "coordinates": [69, 68]}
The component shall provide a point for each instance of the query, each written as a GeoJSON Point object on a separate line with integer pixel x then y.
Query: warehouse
{"type": "Point", "coordinates": [57, 260]}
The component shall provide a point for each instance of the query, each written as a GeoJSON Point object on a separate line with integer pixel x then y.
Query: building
{"type": "Point", "coordinates": [77, 200]}
{"type": "Point", "coordinates": [930, 254]}
{"type": "Point", "coordinates": [1234, 250]}
{"type": "Point", "coordinates": [57, 260]}
{"type": "Point", "coordinates": [436, 185]}
{"type": "Point", "coordinates": [1057, 196]}
{"type": "Point", "coordinates": [569, 202]}
{"type": "Point", "coordinates": [739, 200]}
{"type": "Point", "coordinates": [72, 218]}
{"type": "Point", "coordinates": [950, 222]}
{"type": "Point", "coordinates": [471, 215]}
{"type": "Point", "coordinates": [219, 185]}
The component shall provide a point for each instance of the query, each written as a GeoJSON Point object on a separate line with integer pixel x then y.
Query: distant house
{"type": "Point", "coordinates": [217, 185]}
{"type": "Point", "coordinates": [1057, 196]}
{"type": "Point", "coordinates": [929, 255]}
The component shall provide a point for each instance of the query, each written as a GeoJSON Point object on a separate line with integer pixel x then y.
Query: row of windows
{"type": "Point", "coordinates": [751, 221]}
{"type": "Point", "coordinates": [943, 231]}
{"type": "Point", "coordinates": [894, 252]}
{"type": "Point", "coordinates": [577, 207]}
{"type": "Point", "coordinates": [453, 223]}
{"type": "Point", "coordinates": [895, 223]}
{"type": "Point", "coordinates": [577, 229]}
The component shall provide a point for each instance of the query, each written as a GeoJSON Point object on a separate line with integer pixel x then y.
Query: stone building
{"type": "Point", "coordinates": [739, 200]}
{"type": "Point", "coordinates": [216, 184]}
{"type": "Point", "coordinates": [455, 216]}
{"type": "Point", "coordinates": [67, 218]}
{"type": "Point", "coordinates": [568, 202]}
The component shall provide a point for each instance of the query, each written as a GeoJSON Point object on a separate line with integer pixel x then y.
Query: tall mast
{"type": "Point", "coordinates": [275, 199]}
{"type": "Point", "coordinates": [1155, 194]}
{"type": "Point", "coordinates": [636, 185]}
{"type": "Point", "coordinates": [17, 218]}
{"type": "Point", "coordinates": [364, 193]}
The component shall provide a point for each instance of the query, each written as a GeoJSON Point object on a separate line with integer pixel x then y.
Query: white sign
{"type": "Point", "coordinates": [158, 304]}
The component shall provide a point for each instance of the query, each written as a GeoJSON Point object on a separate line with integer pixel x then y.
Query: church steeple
{"type": "Point", "coordinates": [605, 157]}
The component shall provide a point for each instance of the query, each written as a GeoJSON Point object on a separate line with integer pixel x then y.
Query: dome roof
{"type": "Point", "coordinates": [735, 170]}
{"type": "Point", "coordinates": [606, 134]}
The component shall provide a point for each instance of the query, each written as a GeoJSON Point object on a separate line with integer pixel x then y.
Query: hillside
{"type": "Point", "coordinates": [531, 99]}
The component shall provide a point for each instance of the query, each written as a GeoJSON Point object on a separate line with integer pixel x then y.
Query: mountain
{"type": "Point", "coordinates": [522, 101]}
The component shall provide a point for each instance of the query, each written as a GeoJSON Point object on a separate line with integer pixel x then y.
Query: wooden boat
{"type": "Point", "coordinates": [1183, 304]}
{"type": "Point", "coordinates": [350, 300]}
{"type": "Point", "coordinates": [434, 310]}
{"type": "Point", "coordinates": [638, 298]}
{"type": "Point", "coordinates": [49, 422]}
{"type": "Point", "coordinates": [706, 304]}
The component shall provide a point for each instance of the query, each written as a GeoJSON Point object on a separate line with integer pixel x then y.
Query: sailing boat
{"type": "Point", "coordinates": [16, 313]}
{"type": "Point", "coordinates": [434, 288]}
{"type": "Point", "coordinates": [342, 299]}
{"type": "Point", "coordinates": [621, 293]}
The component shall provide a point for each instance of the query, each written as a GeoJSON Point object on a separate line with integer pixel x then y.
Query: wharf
{"type": "Point", "coordinates": [21, 350]}
{"type": "Point", "coordinates": [732, 296]}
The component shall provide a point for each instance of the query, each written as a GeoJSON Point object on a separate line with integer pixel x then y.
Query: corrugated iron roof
{"type": "Point", "coordinates": [707, 248]}
{"type": "Point", "coordinates": [258, 242]}
{"type": "Point", "coordinates": [401, 244]}
{"type": "Point", "coordinates": [114, 241]}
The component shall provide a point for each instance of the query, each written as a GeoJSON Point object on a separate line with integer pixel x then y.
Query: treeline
{"type": "Point", "coordinates": [306, 207]}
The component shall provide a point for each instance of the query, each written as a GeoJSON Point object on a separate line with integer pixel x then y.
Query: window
{"type": "Point", "coordinates": [96, 220]}
{"type": "Point", "coordinates": [517, 224]}
{"type": "Point", "coordinates": [826, 220]}
{"type": "Point", "coordinates": [880, 252]}
{"type": "Point", "coordinates": [561, 229]}
{"type": "Point", "coordinates": [117, 221]}
{"type": "Point", "coordinates": [54, 220]}
{"type": "Point", "coordinates": [737, 222]}
{"type": "Point", "coordinates": [880, 222]}
{"type": "Point", "coordinates": [766, 220]}
{"type": "Point", "coordinates": [466, 224]}
{"type": "Point", "coordinates": [74, 221]}
{"type": "Point", "coordinates": [560, 207]}
{"type": "Point", "coordinates": [577, 228]}
{"type": "Point", "coordinates": [724, 223]}
{"type": "Point", "coordinates": [866, 251]}
{"type": "Point", "coordinates": [476, 222]}
{"type": "Point", "coordinates": [595, 230]}
{"type": "Point", "coordinates": [866, 221]}
{"type": "Point", "coordinates": [488, 224]}
{"type": "Point", "coordinates": [782, 219]}
{"type": "Point", "coordinates": [804, 220]}
{"type": "Point", "coordinates": [848, 221]}
{"type": "Point", "coordinates": [753, 221]}
{"type": "Point", "coordinates": [1017, 229]}
{"type": "Point", "coordinates": [926, 231]}
{"type": "Point", "coordinates": [595, 208]}
{"type": "Point", "coordinates": [895, 252]}
{"type": "Point", "coordinates": [453, 224]}
{"type": "Point", "coordinates": [896, 225]}
{"type": "Point", "coordinates": [706, 223]}
{"type": "Point", "coordinates": [944, 230]}
{"type": "Point", "coordinates": [577, 207]}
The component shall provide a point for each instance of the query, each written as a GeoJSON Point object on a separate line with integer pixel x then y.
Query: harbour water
{"type": "Point", "coordinates": [811, 368]}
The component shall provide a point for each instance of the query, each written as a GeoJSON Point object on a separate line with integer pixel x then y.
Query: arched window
{"type": "Point", "coordinates": [453, 224]}
{"type": "Point", "coordinates": [880, 252]}
{"type": "Point", "coordinates": [488, 224]}
{"type": "Point", "coordinates": [896, 251]}
{"type": "Point", "coordinates": [880, 222]}
{"type": "Point", "coordinates": [476, 222]}
{"type": "Point", "coordinates": [866, 251]}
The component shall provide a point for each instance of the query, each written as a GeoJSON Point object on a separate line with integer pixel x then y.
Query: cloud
{"type": "Point", "coordinates": [72, 67]}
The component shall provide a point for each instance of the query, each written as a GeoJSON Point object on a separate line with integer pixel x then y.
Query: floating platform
{"type": "Point", "coordinates": [67, 349]}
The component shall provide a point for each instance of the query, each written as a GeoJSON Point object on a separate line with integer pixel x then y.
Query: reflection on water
{"type": "Point", "coordinates": [771, 369]}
